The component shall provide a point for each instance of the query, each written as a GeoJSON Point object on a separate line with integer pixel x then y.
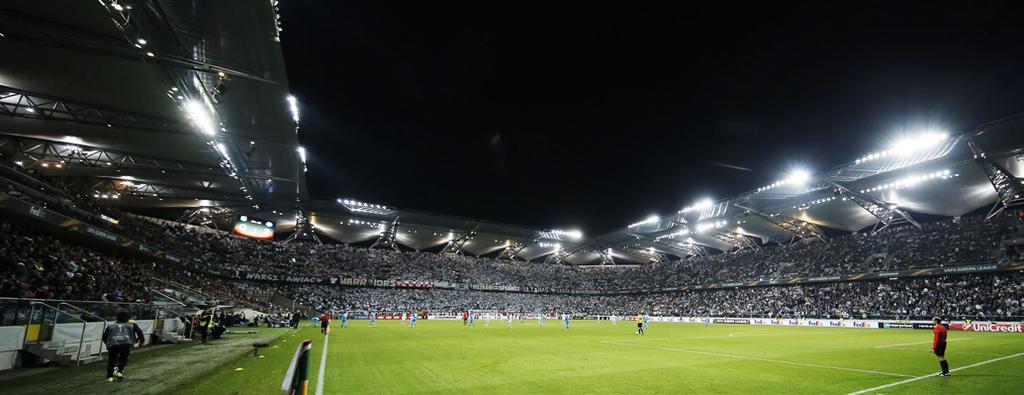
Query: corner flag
{"type": "Point", "coordinates": [296, 380]}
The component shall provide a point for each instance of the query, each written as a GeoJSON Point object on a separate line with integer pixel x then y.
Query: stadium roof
{"type": "Point", "coordinates": [185, 105]}
{"type": "Point", "coordinates": [181, 100]}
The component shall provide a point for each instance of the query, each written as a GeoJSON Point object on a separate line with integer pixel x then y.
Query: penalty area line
{"type": "Point", "coordinates": [323, 365]}
{"type": "Point", "coordinates": [744, 357]}
{"type": "Point", "coordinates": [933, 374]}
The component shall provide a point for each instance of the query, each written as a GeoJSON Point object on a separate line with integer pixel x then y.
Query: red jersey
{"type": "Point", "coordinates": [940, 335]}
{"type": "Point", "coordinates": [325, 317]}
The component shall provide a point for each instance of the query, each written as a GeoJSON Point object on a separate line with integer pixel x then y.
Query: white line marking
{"type": "Point", "coordinates": [958, 352]}
{"type": "Point", "coordinates": [741, 334]}
{"type": "Point", "coordinates": [761, 359]}
{"type": "Point", "coordinates": [928, 342]}
{"type": "Point", "coordinates": [323, 363]}
{"type": "Point", "coordinates": [934, 374]}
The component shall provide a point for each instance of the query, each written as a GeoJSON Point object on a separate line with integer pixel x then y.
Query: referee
{"type": "Point", "coordinates": [939, 345]}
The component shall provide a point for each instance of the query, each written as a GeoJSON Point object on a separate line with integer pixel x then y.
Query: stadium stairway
{"type": "Point", "coordinates": [63, 354]}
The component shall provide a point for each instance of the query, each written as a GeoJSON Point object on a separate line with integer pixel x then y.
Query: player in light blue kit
{"type": "Point", "coordinates": [565, 319]}
{"type": "Point", "coordinates": [540, 321]}
{"type": "Point", "coordinates": [647, 321]}
{"type": "Point", "coordinates": [373, 319]}
{"type": "Point", "coordinates": [412, 320]}
{"type": "Point", "coordinates": [344, 320]}
{"type": "Point", "coordinates": [472, 319]}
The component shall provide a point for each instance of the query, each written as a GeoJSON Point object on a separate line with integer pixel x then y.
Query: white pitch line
{"type": "Point", "coordinates": [809, 365]}
{"type": "Point", "coordinates": [741, 334]}
{"type": "Point", "coordinates": [916, 343]}
{"type": "Point", "coordinates": [934, 374]}
{"type": "Point", "coordinates": [323, 363]}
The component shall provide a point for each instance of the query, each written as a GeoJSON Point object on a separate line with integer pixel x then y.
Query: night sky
{"type": "Point", "coordinates": [595, 116]}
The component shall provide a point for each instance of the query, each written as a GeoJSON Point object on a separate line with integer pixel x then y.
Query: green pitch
{"type": "Point", "coordinates": [596, 357]}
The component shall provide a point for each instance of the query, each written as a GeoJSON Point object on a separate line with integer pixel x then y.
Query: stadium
{"type": "Point", "coordinates": [188, 207]}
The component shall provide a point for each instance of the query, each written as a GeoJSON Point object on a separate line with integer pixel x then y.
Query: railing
{"type": "Point", "coordinates": [104, 330]}
{"type": "Point", "coordinates": [169, 298]}
{"type": "Point", "coordinates": [42, 317]}
{"type": "Point", "coordinates": [13, 311]}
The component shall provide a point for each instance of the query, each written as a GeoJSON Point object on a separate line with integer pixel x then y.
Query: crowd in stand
{"type": "Point", "coordinates": [35, 265]}
{"type": "Point", "coordinates": [38, 266]}
{"type": "Point", "coordinates": [41, 266]}
{"type": "Point", "coordinates": [939, 243]}
{"type": "Point", "coordinates": [983, 296]}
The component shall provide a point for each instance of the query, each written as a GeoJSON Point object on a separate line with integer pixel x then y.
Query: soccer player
{"type": "Point", "coordinates": [373, 319]}
{"type": "Point", "coordinates": [639, 324]}
{"type": "Point", "coordinates": [412, 320]}
{"type": "Point", "coordinates": [344, 320]}
{"type": "Point", "coordinates": [487, 320]}
{"type": "Point", "coordinates": [465, 317]}
{"type": "Point", "coordinates": [647, 321]}
{"type": "Point", "coordinates": [472, 320]}
{"type": "Point", "coordinates": [707, 321]}
{"type": "Point", "coordinates": [614, 319]}
{"type": "Point", "coordinates": [939, 345]}
{"type": "Point", "coordinates": [510, 320]}
{"type": "Point", "coordinates": [325, 322]}
{"type": "Point", "coordinates": [540, 320]}
{"type": "Point", "coordinates": [566, 317]}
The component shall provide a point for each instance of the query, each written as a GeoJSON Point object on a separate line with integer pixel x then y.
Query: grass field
{"type": "Point", "coordinates": [596, 357]}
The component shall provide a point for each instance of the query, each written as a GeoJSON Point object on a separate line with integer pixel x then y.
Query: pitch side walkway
{"type": "Point", "coordinates": [159, 370]}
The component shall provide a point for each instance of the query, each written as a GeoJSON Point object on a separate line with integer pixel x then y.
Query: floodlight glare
{"type": "Point", "coordinates": [302, 153]}
{"type": "Point", "coordinates": [920, 141]}
{"type": "Point", "coordinates": [293, 106]}
{"type": "Point", "coordinates": [704, 203]}
{"type": "Point", "coordinates": [201, 117]}
{"type": "Point", "coordinates": [652, 219]}
{"type": "Point", "coordinates": [799, 177]}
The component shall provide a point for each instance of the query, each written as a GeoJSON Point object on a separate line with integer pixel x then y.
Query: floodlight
{"type": "Point", "coordinates": [799, 177]}
{"type": "Point", "coordinates": [293, 106]}
{"type": "Point", "coordinates": [302, 153]}
{"type": "Point", "coordinates": [201, 117]}
{"type": "Point", "coordinates": [917, 142]}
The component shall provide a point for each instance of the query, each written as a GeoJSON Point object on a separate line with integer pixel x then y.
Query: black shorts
{"type": "Point", "coordinates": [639, 324]}
{"type": "Point", "coordinates": [940, 349]}
{"type": "Point", "coordinates": [324, 324]}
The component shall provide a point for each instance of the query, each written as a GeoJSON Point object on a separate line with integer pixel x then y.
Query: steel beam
{"type": "Point", "coordinates": [888, 214]}
{"type": "Point", "coordinates": [387, 237]}
{"type": "Point", "coordinates": [145, 190]}
{"type": "Point", "coordinates": [17, 103]}
{"type": "Point", "coordinates": [455, 245]}
{"type": "Point", "coordinates": [1009, 188]}
{"type": "Point", "coordinates": [792, 225]}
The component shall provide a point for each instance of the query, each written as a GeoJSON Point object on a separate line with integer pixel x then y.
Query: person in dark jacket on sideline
{"type": "Point", "coordinates": [119, 338]}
